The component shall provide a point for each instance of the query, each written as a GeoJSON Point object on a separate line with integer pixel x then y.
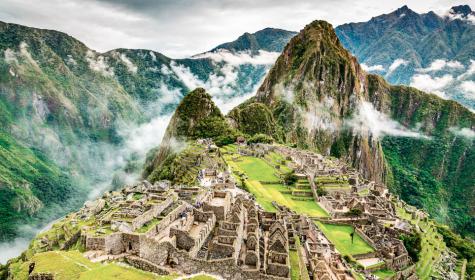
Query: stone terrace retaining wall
{"type": "Point", "coordinates": [154, 212]}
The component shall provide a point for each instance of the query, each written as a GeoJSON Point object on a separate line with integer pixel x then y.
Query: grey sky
{"type": "Point", "coordinates": [179, 28]}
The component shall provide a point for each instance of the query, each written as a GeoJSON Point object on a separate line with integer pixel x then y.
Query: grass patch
{"type": "Point", "coordinates": [72, 265]}
{"type": "Point", "coordinates": [339, 235]}
{"type": "Point", "coordinates": [258, 170]}
{"type": "Point", "coordinates": [294, 265]}
{"type": "Point", "coordinates": [384, 273]}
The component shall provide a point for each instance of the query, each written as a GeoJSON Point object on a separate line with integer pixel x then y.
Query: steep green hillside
{"type": "Point", "coordinates": [195, 117]}
{"type": "Point", "coordinates": [421, 145]}
{"type": "Point", "coordinates": [32, 188]}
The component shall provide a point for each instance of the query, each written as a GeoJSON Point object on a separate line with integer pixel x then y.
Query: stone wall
{"type": "Point", "coordinates": [154, 251]}
{"type": "Point", "coordinates": [114, 244]}
{"type": "Point", "coordinates": [95, 243]}
{"type": "Point", "coordinates": [41, 276]}
{"type": "Point", "coordinates": [154, 212]}
{"type": "Point", "coordinates": [166, 221]}
{"type": "Point", "coordinates": [146, 265]}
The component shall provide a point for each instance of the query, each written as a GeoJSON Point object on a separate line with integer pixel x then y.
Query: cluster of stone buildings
{"type": "Point", "coordinates": [219, 229]}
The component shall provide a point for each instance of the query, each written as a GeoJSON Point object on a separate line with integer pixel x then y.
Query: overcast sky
{"type": "Point", "coordinates": [179, 28]}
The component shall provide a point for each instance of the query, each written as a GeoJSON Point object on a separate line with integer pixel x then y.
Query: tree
{"type": "Point", "coordinates": [354, 212]}
{"type": "Point", "coordinates": [290, 178]}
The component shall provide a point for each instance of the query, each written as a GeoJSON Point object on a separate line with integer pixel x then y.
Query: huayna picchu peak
{"type": "Point", "coordinates": [280, 155]}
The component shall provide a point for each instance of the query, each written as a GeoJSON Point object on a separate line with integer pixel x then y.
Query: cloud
{"type": "Point", "coordinates": [240, 58]}
{"type": "Point", "coordinates": [431, 84]}
{"type": "Point", "coordinates": [463, 132]}
{"type": "Point", "coordinates": [368, 119]}
{"type": "Point", "coordinates": [186, 76]}
{"type": "Point", "coordinates": [130, 65]}
{"type": "Point", "coordinates": [99, 64]}
{"type": "Point", "coordinates": [396, 64]}
{"type": "Point", "coordinates": [470, 71]}
{"type": "Point", "coordinates": [372, 68]}
{"type": "Point", "coordinates": [440, 64]}
{"type": "Point", "coordinates": [10, 56]}
{"type": "Point", "coordinates": [468, 87]}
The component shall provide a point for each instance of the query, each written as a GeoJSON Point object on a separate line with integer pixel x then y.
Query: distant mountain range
{"type": "Point", "coordinates": [435, 53]}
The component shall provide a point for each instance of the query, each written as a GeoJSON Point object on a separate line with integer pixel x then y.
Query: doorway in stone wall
{"type": "Point", "coordinates": [130, 246]}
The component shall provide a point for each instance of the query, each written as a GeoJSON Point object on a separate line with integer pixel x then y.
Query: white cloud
{"type": "Point", "coordinates": [239, 58]}
{"type": "Point", "coordinates": [440, 64]}
{"type": "Point", "coordinates": [431, 84]}
{"type": "Point", "coordinates": [10, 56]}
{"type": "Point", "coordinates": [186, 76]}
{"type": "Point", "coordinates": [130, 65]}
{"type": "Point", "coordinates": [99, 64]}
{"type": "Point", "coordinates": [396, 64]}
{"type": "Point", "coordinates": [468, 87]}
{"type": "Point", "coordinates": [371, 68]}
{"type": "Point", "coordinates": [463, 132]}
{"type": "Point", "coordinates": [368, 119]}
{"type": "Point", "coordinates": [470, 71]}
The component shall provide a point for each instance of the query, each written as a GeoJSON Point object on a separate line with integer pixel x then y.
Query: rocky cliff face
{"type": "Point", "coordinates": [313, 87]}
{"type": "Point", "coordinates": [321, 99]}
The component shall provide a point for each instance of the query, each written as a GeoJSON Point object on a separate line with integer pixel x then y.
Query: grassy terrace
{"type": "Point", "coordinates": [432, 245]}
{"type": "Point", "coordinates": [258, 170]}
{"type": "Point", "coordinates": [149, 225]}
{"type": "Point", "coordinates": [339, 235]}
{"type": "Point", "coordinates": [72, 265]}
{"type": "Point", "coordinates": [384, 273]}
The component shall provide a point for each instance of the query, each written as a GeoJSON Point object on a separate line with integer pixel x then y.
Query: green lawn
{"type": "Point", "coordinates": [72, 265]}
{"type": "Point", "coordinates": [294, 265]}
{"type": "Point", "coordinates": [258, 171]}
{"type": "Point", "coordinates": [339, 235]}
{"type": "Point", "coordinates": [384, 273]}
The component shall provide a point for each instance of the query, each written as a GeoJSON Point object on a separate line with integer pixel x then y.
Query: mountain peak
{"type": "Point", "coordinates": [267, 39]}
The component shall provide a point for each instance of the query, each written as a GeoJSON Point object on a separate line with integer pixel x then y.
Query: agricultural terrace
{"type": "Point", "coordinates": [264, 182]}
{"type": "Point", "coordinates": [72, 265]}
{"type": "Point", "coordinates": [432, 244]}
{"type": "Point", "coordinates": [340, 236]}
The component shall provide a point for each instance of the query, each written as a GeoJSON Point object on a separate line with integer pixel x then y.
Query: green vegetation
{"type": "Point", "coordinates": [294, 265]}
{"type": "Point", "coordinates": [31, 184]}
{"type": "Point", "coordinates": [290, 178]}
{"type": "Point", "coordinates": [412, 243]}
{"type": "Point", "coordinates": [264, 184]}
{"type": "Point", "coordinates": [463, 247]}
{"type": "Point", "coordinates": [384, 273]}
{"type": "Point", "coordinates": [71, 265]}
{"type": "Point", "coordinates": [340, 236]}
{"type": "Point", "coordinates": [260, 138]}
{"type": "Point", "coordinates": [432, 244]}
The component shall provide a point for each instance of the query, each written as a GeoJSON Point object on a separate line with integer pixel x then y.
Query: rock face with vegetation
{"type": "Point", "coordinates": [321, 99]}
